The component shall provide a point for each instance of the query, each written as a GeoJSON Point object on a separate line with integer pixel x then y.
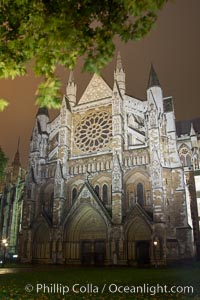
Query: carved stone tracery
{"type": "Point", "coordinates": [94, 131]}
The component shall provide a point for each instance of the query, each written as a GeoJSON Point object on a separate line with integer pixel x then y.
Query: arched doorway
{"type": "Point", "coordinates": [93, 252]}
{"type": "Point", "coordinates": [138, 242]}
{"type": "Point", "coordinates": [143, 252]}
{"type": "Point", "coordinates": [41, 243]}
{"type": "Point", "coordinates": [85, 237]}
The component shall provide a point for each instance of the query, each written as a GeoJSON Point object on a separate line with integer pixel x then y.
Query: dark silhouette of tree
{"type": "Point", "coordinates": [3, 162]}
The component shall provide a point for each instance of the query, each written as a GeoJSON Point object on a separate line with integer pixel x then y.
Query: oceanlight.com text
{"type": "Point", "coordinates": [111, 288]}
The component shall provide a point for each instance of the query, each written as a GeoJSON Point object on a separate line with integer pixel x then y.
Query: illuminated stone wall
{"type": "Point", "coordinates": [106, 182]}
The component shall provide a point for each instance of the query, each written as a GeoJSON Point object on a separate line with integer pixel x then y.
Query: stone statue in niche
{"type": "Point", "coordinates": [43, 147]}
{"type": "Point", "coordinates": [148, 198]}
{"type": "Point", "coordinates": [116, 125]}
{"type": "Point", "coordinates": [116, 176]}
{"type": "Point", "coordinates": [155, 177]}
{"type": "Point", "coordinates": [35, 142]}
{"type": "Point", "coordinates": [152, 116]}
{"type": "Point", "coordinates": [58, 177]}
{"type": "Point", "coordinates": [195, 159]}
{"type": "Point", "coordinates": [116, 106]}
{"type": "Point", "coordinates": [131, 199]}
{"type": "Point", "coordinates": [156, 174]}
{"type": "Point", "coordinates": [62, 136]}
{"type": "Point", "coordinates": [116, 181]}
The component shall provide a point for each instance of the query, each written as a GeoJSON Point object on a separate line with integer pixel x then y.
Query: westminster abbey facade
{"type": "Point", "coordinates": [111, 180]}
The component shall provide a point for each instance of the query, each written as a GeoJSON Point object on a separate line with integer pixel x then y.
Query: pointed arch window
{"type": "Point", "coordinates": [185, 156]}
{"type": "Point", "coordinates": [105, 194]}
{"type": "Point", "coordinates": [42, 198]}
{"type": "Point", "coordinates": [97, 190]}
{"type": "Point", "coordinates": [74, 194]}
{"type": "Point", "coordinates": [51, 203]}
{"type": "Point", "coordinates": [140, 194]}
{"type": "Point", "coordinates": [182, 158]}
{"type": "Point", "coordinates": [188, 160]}
{"type": "Point", "coordinates": [29, 193]}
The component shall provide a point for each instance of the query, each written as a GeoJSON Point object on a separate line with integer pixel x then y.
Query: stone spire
{"type": "Point", "coordinates": [16, 163]}
{"type": "Point", "coordinates": [193, 136]}
{"type": "Point", "coordinates": [154, 95]}
{"type": "Point", "coordinates": [71, 89]}
{"type": "Point", "coordinates": [42, 118]}
{"type": "Point", "coordinates": [119, 75]}
{"type": "Point", "coordinates": [119, 62]}
{"type": "Point", "coordinates": [43, 111]}
{"type": "Point", "coordinates": [153, 78]}
{"type": "Point", "coordinates": [71, 77]}
{"type": "Point", "coordinates": [192, 131]}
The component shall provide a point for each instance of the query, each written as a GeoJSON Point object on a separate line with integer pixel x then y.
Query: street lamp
{"type": "Point", "coordinates": [155, 243]}
{"type": "Point", "coordinates": [5, 245]}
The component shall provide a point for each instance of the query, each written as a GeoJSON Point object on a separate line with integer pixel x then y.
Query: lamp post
{"type": "Point", "coordinates": [155, 243]}
{"type": "Point", "coordinates": [5, 245]}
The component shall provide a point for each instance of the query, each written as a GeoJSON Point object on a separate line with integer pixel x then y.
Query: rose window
{"type": "Point", "coordinates": [94, 131]}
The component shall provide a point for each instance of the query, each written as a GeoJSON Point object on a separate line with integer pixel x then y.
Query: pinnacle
{"type": "Point", "coordinates": [71, 77]}
{"type": "Point", "coordinates": [192, 131]}
{"type": "Point", "coordinates": [43, 111]}
{"type": "Point", "coordinates": [153, 78]}
{"type": "Point", "coordinates": [119, 62]}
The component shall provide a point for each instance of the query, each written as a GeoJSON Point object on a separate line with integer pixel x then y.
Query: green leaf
{"type": "Point", "coordinates": [48, 93]}
{"type": "Point", "coordinates": [3, 104]}
{"type": "Point", "coordinates": [53, 33]}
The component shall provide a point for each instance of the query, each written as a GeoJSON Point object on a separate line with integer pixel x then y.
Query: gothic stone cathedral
{"type": "Point", "coordinates": [106, 182]}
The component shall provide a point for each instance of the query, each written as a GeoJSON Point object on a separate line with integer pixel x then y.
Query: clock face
{"type": "Point", "coordinates": [94, 131]}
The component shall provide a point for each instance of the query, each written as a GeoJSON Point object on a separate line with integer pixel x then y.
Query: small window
{"type": "Point", "coordinates": [140, 194]}
{"type": "Point", "coordinates": [74, 194]}
{"type": "Point", "coordinates": [105, 194]}
{"type": "Point", "coordinates": [97, 190]}
{"type": "Point", "coordinates": [168, 105]}
{"type": "Point", "coordinates": [29, 193]}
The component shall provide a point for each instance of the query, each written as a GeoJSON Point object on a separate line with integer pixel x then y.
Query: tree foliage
{"type": "Point", "coordinates": [57, 32]}
{"type": "Point", "coordinates": [3, 162]}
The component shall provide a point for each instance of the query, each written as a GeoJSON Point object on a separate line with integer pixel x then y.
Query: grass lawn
{"type": "Point", "coordinates": [12, 286]}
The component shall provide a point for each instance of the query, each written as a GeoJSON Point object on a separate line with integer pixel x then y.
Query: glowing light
{"type": "Point", "coordinates": [155, 243]}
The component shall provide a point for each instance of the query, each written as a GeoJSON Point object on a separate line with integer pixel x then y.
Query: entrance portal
{"type": "Point", "coordinates": [86, 253]}
{"type": "Point", "coordinates": [86, 236]}
{"type": "Point", "coordinates": [99, 253]}
{"type": "Point", "coordinates": [92, 253]}
{"type": "Point", "coordinates": [142, 253]}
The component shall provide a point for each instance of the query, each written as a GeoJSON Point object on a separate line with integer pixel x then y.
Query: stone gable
{"type": "Point", "coordinates": [97, 89]}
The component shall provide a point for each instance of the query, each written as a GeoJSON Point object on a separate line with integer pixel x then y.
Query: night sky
{"type": "Point", "coordinates": [173, 47]}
